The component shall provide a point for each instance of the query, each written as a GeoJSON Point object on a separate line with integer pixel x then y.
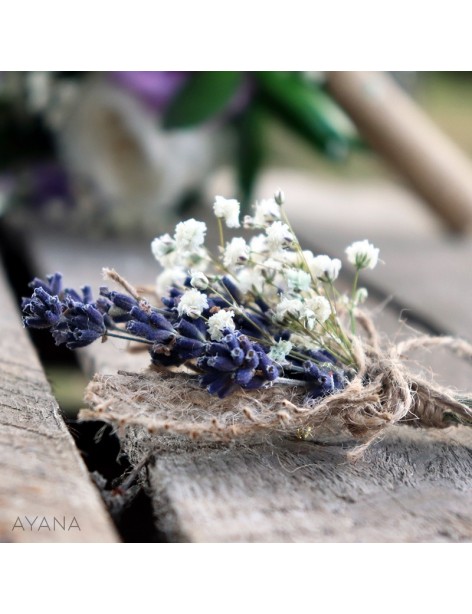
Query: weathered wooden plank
{"type": "Point", "coordinates": [410, 487]}
{"type": "Point", "coordinates": [42, 477]}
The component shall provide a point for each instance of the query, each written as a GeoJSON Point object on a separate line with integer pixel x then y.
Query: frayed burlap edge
{"type": "Point", "coordinates": [383, 392]}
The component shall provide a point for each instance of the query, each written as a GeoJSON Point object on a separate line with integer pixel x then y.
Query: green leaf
{"type": "Point", "coordinates": [204, 95]}
{"type": "Point", "coordinates": [251, 151]}
{"type": "Point", "coordinates": [308, 109]}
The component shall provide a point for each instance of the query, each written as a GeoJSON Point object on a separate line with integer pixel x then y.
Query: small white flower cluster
{"type": "Point", "coordinates": [227, 209]}
{"type": "Point", "coordinates": [310, 311]}
{"type": "Point", "coordinates": [280, 350]}
{"type": "Point", "coordinates": [363, 255]}
{"type": "Point", "coordinates": [219, 321]}
{"type": "Point", "coordinates": [268, 268]}
{"type": "Point", "coordinates": [180, 253]}
{"type": "Point", "coordinates": [236, 252]}
{"type": "Point", "coordinates": [323, 267]}
{"type": "Point", "coordinates": [265, 212]}
{"type": "Point", "coordinates": [192, 303]}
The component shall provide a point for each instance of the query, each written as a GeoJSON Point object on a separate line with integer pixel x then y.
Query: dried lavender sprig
{"type": "Point", "coordinates": [236, 361]}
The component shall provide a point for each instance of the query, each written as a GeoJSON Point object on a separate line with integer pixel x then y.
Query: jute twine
{"type": "Point", "coordinates": [383, 392]}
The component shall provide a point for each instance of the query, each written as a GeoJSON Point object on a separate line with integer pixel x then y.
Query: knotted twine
{"type": "Point", "coordinates": [382, 392]}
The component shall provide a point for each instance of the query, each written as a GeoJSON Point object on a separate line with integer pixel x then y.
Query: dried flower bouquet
{"type": "Point", "coordinates": [261, 328]}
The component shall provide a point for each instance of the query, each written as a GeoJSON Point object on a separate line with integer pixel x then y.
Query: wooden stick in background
{"type": "Point", "coordinates": [399, 130]}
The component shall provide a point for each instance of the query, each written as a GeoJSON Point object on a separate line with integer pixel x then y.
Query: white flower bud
{"type": "Point", "coordinates": [190, 235]}
{"type": "Point", "coordinates": [192, 303]}
{"type": "Point", "coordinates": [220, 321]}
{"type": "Point", "coordinates": [362, 254]}
{"type": "Point", "coordinates": [228, 209]}
{"type": "Point", "coordinates": [325, 268]}
{"type": "Point", "coordinates": [279, 197]}
{"type": "Point", "coordinates": [279, 235]}
{"type": "Point", "coordinates": [361, 296]}
{"type": "Point", "coordinates": [236, 252]}
{"type": "Point", "coordinates": [199, 280]}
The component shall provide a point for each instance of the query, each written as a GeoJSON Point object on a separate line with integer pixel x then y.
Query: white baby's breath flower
{"type": "Point", "coordinates": [279, 235]}
{"type": "Point", "coordinates": [236, 252]}
{"type": "Point", "coordinates": [362, 254]}
{"type": "Point", "coordinates": [190, 235]}
{"type": "Point", "coordinates": [280, 350]}
{"type": "Point", "coordinates": [308, 317]}
{"type": "Point", "coordinates": [228, 209]}
{"type": "Point", "coordinates": [168, 278]}
{"type": "Point", "coordinates": [320, 307]}
{"type": "Point", "coordinates": [163, 249]}
{"type": "Point", "coordinates": [297, 280]}
{"type": "Point", "coordinates": [288, 307]}
{"type": "Point", "coordinates": [192, 303]}
{"type": "Point", "coordinates": [258, 244]}
{"type": "Point", "coordinates": [220, 321]}
{"type": "Point", "coordinates": [199, 280]}
{"type": "Point", "coordinates": [265, 212]}
{"type": "Point", "coordinates": [272, 265]}
{"type": "Point", "coordinates": [325, 268]}
{"type": "Point", "coordinates": [361, 296]}
{"type": "Point", "coordinates": [249, 279]}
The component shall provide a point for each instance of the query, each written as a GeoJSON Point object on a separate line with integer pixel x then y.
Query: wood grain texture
{"type": "Point", "coordinates": [42, 476]}
{"type": "Point", "coordinates": [410, 487]}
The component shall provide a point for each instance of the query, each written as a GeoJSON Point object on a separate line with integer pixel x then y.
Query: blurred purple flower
{"type": "Point", "coordinates": [155, 88]}
{"type": "Point", "coordinates": [49, 181]}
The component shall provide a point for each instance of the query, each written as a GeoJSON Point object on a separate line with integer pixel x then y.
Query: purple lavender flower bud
{"type": "Point", "coordinates": [41, 310]}
{"type": "Point", "coordinates": [244, 343]}
{"type": "Point", "coordinates": [252, 359]}
{"type": "Point", "coordinates": [194, 330]}
{"type": "Point", "coordinates": [222, 386]}
{"type": "Point", "coordinates": [160, 321]}
{"type": "Point", "coordinates": [247, 366]}
{"type": "Point", "coordinates": [218, 349]}
{"type": "Point", "coordinates": [231, 341]}
{"type": "Point", "coordinates": [321, 356]}
{"type": "Point", "coordinates": [255, 383]}
{"type": "Point", "coordinates": [271, 372]}
{"type": "Point", "coordinates": [123, 301]}
{"type": "Point", "coordinates": [231, 288]}
{"type": "Point", "coordinates": [322, 386]}
{"type": "Point", "coordinates": [141, 329]}
{"type": "Point", "coordinates": [53, 285]}
{"type": "Point", "coordinates": [79, 326]}
{"type": "Point", "coordinates": [221, 363]}
{"type": "Point", "coordinates": [188, 348]}
{"type": "Point", "coordinates": [73, 320]}
{"type": "Point", "coordinates": [244, 376]}
{"type": "Point", "coordinates": [237, 356]}
{"type": "Point", "coordinates": [312, 369]}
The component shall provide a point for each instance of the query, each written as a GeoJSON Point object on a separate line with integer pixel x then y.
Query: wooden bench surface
{"type": "Point", "coordinates": [411, 486]}
{"type": "Point", "coordinates": [46, 494]}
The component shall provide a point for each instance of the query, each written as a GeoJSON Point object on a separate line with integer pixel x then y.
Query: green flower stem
{"type": "Point", "coordinates": [353, 298]}
{"type": "Point", "coordinates": [127, 338]}
{"type": "Point", "coordinates": [221, 232]}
